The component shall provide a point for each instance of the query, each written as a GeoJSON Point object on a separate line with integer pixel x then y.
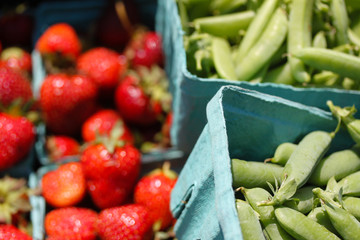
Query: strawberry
{"type": "Point", "coordinates": [111, 171]}
{"type": "Point", "coordinates": [67, 101]}
{"type": "Point", "coordinates": [103, 65]}
{"type": "Point", "coordinates": [59, 38]}
{"type": "Point", "coordinates": [153, 191]}
{"type": "Point", "coordinates": [145, 49]}
{"type": "Point", "coordinates": [13, 86]}
{"type": "Point", "coordinates": [17, 58]}
{"type": "Point", "coordinates": [10, 232]}
{"type": "Point", "coordinates": [130, 221]}
{"type": "Point", "coordinates": [17, 136]}
{"type": "Point", "coordinates": [64, 186]}
{"type": "Point", "coordinates": [142, 97]}
{"type": "Point", "coordinates": [60, 146]}
{"type": "Point", "coordinates": [102, 122]}
{"type": "Point", "coordinates": [71, 223]}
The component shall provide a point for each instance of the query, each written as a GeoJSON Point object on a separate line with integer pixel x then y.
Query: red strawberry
{"type": "Point", "coordinates": [10, 232]}
{"type": "Point", "coordinates": [125, 222]}
{"type": "Point", "coordinates": [102, 122]}
{"type": "Point", "coordinates": [145, 49]}
{"type": "Point", "coordinates": [67, 101]}
{"type": "Point", "coordinates": [142, 97]}
{"type": "Point", "coordinates": [71, 223]}
{"type": "Point", "coordinates": [59, 38]}
{"type": "Point", "coordinates": [17, 58]}
{"type": "Point", "coordinates": [58, 147]}
{"type": "Point", "coordinates": [111, 172]}
{"type": "Point", "coordinates": [64, 186]}
{"type": "Point", "coordinates": [17, 136]}
{"type": "Point", "coordinates": [153, 191]}
{"type": "Point", "coordinates": [103, 65]}
{"type": "Point", "coordinates": [13, 85]}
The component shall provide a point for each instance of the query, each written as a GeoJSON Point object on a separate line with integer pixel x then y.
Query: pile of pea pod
{"type": "Point", "coordinates": [303, 43]}
{"type": "Point", "coordinates": [302, 191]}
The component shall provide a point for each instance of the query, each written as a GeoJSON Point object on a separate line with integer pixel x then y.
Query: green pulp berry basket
{"type": "Point", "coordinates": [203, 200]}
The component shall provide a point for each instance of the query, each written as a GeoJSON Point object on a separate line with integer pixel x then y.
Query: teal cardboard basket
{"type": "Point", "coordinates": [23, 168]}
{"type": "Point", "coordinates": [203, 200]}
{"type": "Point", "coordinates": [191, 93]}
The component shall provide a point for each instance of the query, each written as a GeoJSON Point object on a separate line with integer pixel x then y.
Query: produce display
{"type": "Point", "coordinates": [311, 43]}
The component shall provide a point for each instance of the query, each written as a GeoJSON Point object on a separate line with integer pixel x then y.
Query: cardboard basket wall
{"type": "Point", "coordinates": [191, 93]}
{"type": "Point", "coordinates": [203, 199]}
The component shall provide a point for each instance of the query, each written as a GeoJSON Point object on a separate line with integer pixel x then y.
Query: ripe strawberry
{"type": "Point", "coordinates": [59, 147]}
{"type": "Point", "coordinates": [64, 186]}
{"type": "Point", "coordinates": [17, 58]}
{"type": "Point", "coordinates": [111, 172]}
{"type": "Point", "coordinates": [102, 122]}
{"type": "Point", "coordinates": [145, 49]}
{"type": "Point", "coordinates": [125, 222]}
{"type": "Point", "coordinates": [67, 101]}
{"type": "Point", "coordinates": [142, 97]}
{"type": "Point", "coordinates": [153, 191]}
{"type": "Point", "coordinates": [59, 38]}
{"type": "Point", "coordinates": [10, 232]}
{"type": "Point", "coordinates": [103, 65]}
{"type": "Point", "coordinates": [71, 223]}
{"type": "Point", "coordinates": [17, 136]}
{"type": "Point", "coordinates": [13, 85]}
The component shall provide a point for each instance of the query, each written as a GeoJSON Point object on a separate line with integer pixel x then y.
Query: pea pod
{"type": "Point", "coordinates": [352, 205]}
{"type": "Point", "coordinates": [304, 200]}
{"type": "Point", "coordinates": [338, 164]}
{"type": "Point", "coordinates": [249, 222]}
{"type": "Point", "coordinates": [320, 216]}
{"type": "Point", "coordinates": [340, 20]}
{"type": "Point", "coordinates": [319, 40]}
{"type": "Point", "coordinates": [343, 221]}
{"type": "Point", "coordinates": [219, 7]}
{"type": "Point", "coordinates": [350, 184]}
{"type": "Point", "coordinates": [261, 52]}
{"type": "Point", "coordinates": [299, 36]}
{"type": "Point", "coordinates": [270, 225]}
{"type": "Point", "coordinates": [301, 227]}
{"type": "Point", "coordinates": [283, 153]}
{"type": "Point", "coordinates": [221, 53]}
{"type": "Point", "coordinates": [254, 174]}
{"type": "Point", "coordinates": [326, 59]}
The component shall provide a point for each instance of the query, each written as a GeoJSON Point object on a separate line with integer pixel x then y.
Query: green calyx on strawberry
{"type": "Point", "coordinates": [17, 58]}
{"type": "Point", "coordinates": [142, 97]}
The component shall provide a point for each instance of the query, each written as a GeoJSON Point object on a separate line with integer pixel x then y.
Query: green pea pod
{"type": "Point", "coordinates": [251, 174]}
{"type": "Point", "coordinates": [221, 54]}
{"type": "Point", "coordinates": [281, 75]}
{"type": "Point", "coordinates": [319, 40]}
{"type": "Point", "coordinates": [304, 200]}
{"type": "Point", "coordinates": [353, 37]}
{"type": "Point", "coordinates": [256, 27]}
{"type": "Point", "coordinates": [350, 184]}
{"type": "Point", "coordinates": [299, 36]}
{"type": "Point", "coordinates": [301, 227]}
{"type": "Point", "coordinates": [219, 7]}
{"type": "Point", "coordinates": [343, 221]}
{"type": "Point", "coordinates": [327, 59]}
{"type": "Point", "coordinates": [352, 205]}
{"type": "Point", "coordinates": [271, 227]}
{"type": "Point", "coordinates": [324, 77]}
{"type": "Point", "coordinates": [340, 20]}
{"type": "Point", "coordinates": [301, 164]}
{"type": "Point", "coordinates": [329, 166]}
{"type": "Point", "coordinates": [320, 216]}
{"type": "Point", "coordinates": [249, 221]}
{"type": "Point", "coordinates": [283, 153]}
{"type": "Point", "coordinates": [225, 26]}
{"type": "Point", "coordinates": [262, 51]}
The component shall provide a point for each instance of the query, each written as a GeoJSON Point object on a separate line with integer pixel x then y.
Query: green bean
{"type": "Point", "coordinates": [256, 28]}
{"type": "Point", "coordinates": [304, 197]}
{"type": "Point", "coordinates": [301, 227]}
{"type": "Point", "coordinates": [262, 51]}
{"type": "Point", "coordinates": [249, 222]}
{"type": "Point", "coordinates": [338, 164]}
{"type": "Point", "coordinates": [320, 216]}
{"type": "Point", "coordinates": [343, 221]}
{"type": "Point", "coordinates": [340, 20]}
{"type": "Point", "coordinates": [299, 36]}
{"type": "Point", "coordinates": [228, 25]}
{"type": "Point", "coordinates": [326, 59]}
{"type": "Point", "coordinates": [319, 40]}
{"type": "Point", "coordinates": [223, 63]}
{"type": "Point", "coordinates": [254, 174]}
{"type": "Point", "coordinates": [271, 227]}
{"type": "Point", "coordinates": [283, 153]}
{"type": "Point", "coordinates": [352, 205]}
{"type": "Point", "coordinates": [301, 163]}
